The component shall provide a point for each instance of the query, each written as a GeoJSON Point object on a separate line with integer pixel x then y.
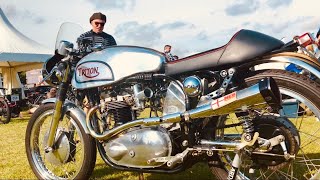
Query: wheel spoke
{"type": "Point", "coordinates": [287, 176]}
{"type": "Point", "coordinates": [264, 174]}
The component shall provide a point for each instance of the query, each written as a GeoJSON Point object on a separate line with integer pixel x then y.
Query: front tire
{"type": "Point", "coordinates": [76, 153]}
{"type": "Point", "coordinates": [306, 163]}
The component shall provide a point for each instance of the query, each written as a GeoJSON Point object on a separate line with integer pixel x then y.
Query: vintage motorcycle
{"type": "Point", "coordinates": [145, 114]}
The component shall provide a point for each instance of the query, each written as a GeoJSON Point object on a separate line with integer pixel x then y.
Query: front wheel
{"type": "Point", "coordinates": [298, 122]}
{"type": "Point", "coordinates": [74, 154]}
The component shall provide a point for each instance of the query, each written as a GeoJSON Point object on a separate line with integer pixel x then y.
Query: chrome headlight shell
{"type": "Point", "coordinates": [192, 86]}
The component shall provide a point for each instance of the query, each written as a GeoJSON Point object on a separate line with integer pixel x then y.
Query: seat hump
{"type": "Point", "coordinates": [243, 47]}
{"type": "Point", "coordinates": [247, 45]}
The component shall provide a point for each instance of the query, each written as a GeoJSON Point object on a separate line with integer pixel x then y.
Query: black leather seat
{"type": "Point", "coordinates": [243, 47]}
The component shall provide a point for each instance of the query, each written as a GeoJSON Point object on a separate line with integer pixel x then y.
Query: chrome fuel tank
{"type": "Point", "coordinates": [114, 64]}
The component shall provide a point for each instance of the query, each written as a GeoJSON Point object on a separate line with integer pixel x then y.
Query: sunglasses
{"type": "Point", "coordinates": [99, 23]}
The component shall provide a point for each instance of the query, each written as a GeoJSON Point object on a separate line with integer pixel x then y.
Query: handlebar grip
{"type": "Point", "coordinates": [60, 69]}
{"type": "Point", "coordinates": [61, 66]}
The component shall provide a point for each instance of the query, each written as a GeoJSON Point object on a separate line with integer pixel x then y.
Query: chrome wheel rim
{"type": "Point", "coordinates": [45, 167]}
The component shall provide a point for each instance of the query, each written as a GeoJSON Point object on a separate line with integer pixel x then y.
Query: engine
{"type": "Point", "coordinates": [139, 147]}
{"type": "Point", "coordinates": [129, 147]}
{"type": "Point", "coordinates": [132, 101]}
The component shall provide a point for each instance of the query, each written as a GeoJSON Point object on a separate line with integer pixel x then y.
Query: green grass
{"type": "Point", "coordinates": [14, 163]}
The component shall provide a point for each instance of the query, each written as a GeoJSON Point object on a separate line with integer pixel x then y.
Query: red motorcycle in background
{"type": "Point", "coordinates": [5, 114]}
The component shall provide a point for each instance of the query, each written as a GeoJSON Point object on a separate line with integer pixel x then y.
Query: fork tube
{"type": "Point", "coordinates": [62, 93]}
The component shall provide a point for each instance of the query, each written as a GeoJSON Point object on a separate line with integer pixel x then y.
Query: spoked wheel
{"type": "Point", "coordinates": [75, 153]}
{"type": "Point", "coordinates": [5, 114]}
{"type": "Point", "coordinates": [298, 122]}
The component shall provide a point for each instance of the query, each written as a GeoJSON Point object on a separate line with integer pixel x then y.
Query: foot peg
{"type": "Point", "coordinates": [178, 158]}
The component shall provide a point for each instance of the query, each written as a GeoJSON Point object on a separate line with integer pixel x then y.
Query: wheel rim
{"type": "Point", "coordinates": [306, 165]}
{"type": "Point", "coordinates": [43, 163]}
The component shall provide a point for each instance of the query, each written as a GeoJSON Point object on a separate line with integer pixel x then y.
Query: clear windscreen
{"type": "Point", "coordinates": [69, 32]}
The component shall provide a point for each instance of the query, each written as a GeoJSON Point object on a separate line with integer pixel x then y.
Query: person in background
{"type": "Point", "coordinates": [318, 38]}
{"type": "Point", "coordinates": [314, 47]}
{"type": "Point", "coordinates": [317, 49]}
{"type": "Point", "coordinates": [98, 21]}
{"type": "Point", "coordinates": [52, 93]}
{"type": "Point", "coordinates": [167, 52]}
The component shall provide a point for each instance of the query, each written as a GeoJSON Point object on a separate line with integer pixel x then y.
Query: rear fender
{"type": "Point", "coordinates": [279, 61]}
{"type": "Point", "coordinates": [70, 107]}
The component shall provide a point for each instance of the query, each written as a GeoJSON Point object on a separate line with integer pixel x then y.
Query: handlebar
{"type": "Point", "coordinates": [49, 75]}
{"type": "Point", "coordinates": [61, 66]}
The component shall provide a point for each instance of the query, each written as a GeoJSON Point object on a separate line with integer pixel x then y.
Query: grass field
{"type": "Point", "coordinates": [14, 163]}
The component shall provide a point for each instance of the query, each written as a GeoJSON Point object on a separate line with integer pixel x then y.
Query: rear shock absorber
{"type": "Point", "coordinates": [248, 128]}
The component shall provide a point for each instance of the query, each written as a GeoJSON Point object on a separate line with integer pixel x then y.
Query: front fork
{"type": "Point", "coordinates": [57, 115]}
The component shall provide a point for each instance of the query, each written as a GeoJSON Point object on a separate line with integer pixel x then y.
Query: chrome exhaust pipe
{"type": "Point", "coordinates": [263, 94]}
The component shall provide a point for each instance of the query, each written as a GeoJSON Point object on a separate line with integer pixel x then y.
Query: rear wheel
{"type": "Point", "coordinates": [75, 153]}
{"type": "Point", "coordinates": [298, 122]}
{"type": "Point", "coordinates": [5, 114]}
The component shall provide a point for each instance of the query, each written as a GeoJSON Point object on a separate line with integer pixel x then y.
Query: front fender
{"type": "Point", "coordinates": [278, 61]}
{"type": "Point", "coordinates": [72, 108]}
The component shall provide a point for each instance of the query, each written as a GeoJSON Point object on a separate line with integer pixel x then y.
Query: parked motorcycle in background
{"type": "Point", "coordinates": [149, 115]}
{"type": "Point", "coordinates": [5, 113]}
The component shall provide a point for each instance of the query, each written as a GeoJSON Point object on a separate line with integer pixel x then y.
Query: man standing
{"type": "Point", "coordinates": [167, 52]}
{"type": "Point", "coordinates": [98, 21]}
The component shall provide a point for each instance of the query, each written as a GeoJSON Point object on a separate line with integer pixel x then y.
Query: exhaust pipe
{"type": "Point", "coordinates": [263, 94]}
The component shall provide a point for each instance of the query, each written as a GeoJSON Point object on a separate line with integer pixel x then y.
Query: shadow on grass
{"type": "Point", "coordinates": [201, 171]}
{"type": "Point", "coordinates": [198, 171]}
{"type": "Point", "coordinates": [102, 171]}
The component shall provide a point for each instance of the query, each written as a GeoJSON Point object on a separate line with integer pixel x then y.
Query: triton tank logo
{"type": "Point", "coordinates": [91, 72]}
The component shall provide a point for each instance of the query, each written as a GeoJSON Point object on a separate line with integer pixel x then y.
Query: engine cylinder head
{"type": "Point", "coordinates": [120, 111]}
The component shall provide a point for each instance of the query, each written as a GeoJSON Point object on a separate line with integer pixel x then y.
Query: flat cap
{"type": "Point", "coordinates": [98, 15]}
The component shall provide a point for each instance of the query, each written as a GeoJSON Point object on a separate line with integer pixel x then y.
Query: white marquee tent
{"type": "Point", "coordinates": [18, 53]}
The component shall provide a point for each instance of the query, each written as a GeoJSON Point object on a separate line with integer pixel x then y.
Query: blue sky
{"type": "Point", "coordinates": [189, 26]}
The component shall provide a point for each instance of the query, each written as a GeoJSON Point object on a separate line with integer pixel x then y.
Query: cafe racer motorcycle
{"type": "Point", "coordinates": [145, 114]}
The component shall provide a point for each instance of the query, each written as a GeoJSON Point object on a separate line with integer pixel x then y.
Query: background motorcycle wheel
{"type": "Point", "coordinates": [76, 153]}
{"type": "Point", "coordinates": [5, 114]}
{"type": "Point", "coordinates": [306, 163]}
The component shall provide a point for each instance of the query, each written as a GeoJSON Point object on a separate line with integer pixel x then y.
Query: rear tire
{"type": "Point", "coordinates": [77, 162]}
{"type": "Point", "coordinates": [306, 91]}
